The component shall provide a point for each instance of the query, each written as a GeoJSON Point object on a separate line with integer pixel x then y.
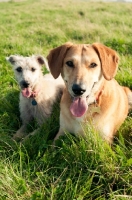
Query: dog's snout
{"type": "Point", "coordinates": [78, 89]}
{"type": "Point", "coordinates": [25, 84]}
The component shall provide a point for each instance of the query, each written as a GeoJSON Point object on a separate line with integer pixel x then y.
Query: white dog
{"type": "Point", "coordinates": [38, 93]}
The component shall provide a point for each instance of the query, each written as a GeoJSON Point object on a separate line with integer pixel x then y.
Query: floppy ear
{"type": "Point", "coordinates": [109, 60]}
{"type": "Point", "coordinates": [56, 57]}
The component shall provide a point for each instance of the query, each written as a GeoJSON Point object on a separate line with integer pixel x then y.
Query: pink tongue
{"type": "Point", "coordinates": [79, 106]}
{"type": "Point", "coordinates": [27, 92]}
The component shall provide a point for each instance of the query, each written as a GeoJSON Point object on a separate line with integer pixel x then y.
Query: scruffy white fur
{"type": "Point", "coordinates": [36, 88]}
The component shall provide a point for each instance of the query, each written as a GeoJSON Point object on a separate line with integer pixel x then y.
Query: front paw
{"type": "Point", "coordinates": [19, 135]}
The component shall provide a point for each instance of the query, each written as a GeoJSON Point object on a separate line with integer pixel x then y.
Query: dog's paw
{"type": "Point", "coordinates": [18, 136]}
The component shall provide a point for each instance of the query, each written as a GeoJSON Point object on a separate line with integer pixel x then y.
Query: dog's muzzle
{"type": "Point", "coordinates": [24, 84]}
{"type": "Point", "coordinates": [78, 89]}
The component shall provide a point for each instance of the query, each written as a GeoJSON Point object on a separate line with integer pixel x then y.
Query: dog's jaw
{"type": "Point", "coordinates": [80, 104]}
{"type": "Point", "coordinates": [26, 92]}
{"type": "Point", "coordinates": [30, 92]}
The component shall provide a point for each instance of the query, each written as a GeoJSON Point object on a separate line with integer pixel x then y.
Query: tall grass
{"type": "Point", "coordinates": [77, 169]}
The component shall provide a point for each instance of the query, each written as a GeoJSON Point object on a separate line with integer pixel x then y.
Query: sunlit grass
{"type": "Point", "coordinates": [77, 169]}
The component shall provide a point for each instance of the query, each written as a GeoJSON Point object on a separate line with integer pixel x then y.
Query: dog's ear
{"type": "Point", "coordinates": [42, 61]}
{"type": "Point", "coordinates": [109, 60]}
{"type": "Point", "coordinates": [11, 59]}
{"type": "Point", "coordinates": [56, 57]}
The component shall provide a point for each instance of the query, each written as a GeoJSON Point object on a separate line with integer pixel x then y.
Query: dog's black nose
{"type": "Point", "coordinates": [78, 89]}
{"type": "Point", "coordinates": [25, 84]}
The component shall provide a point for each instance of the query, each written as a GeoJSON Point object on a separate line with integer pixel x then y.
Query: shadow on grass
{"type": "Point", "coordinates": [10, 122]}
{"type": "Point", "coordinates": [9, 112]}
{"type": "Point", "coordinates": [36, 145]}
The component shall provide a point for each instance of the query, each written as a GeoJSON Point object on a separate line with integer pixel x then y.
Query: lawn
{"type": "Point", "coordinates": [77, 169]}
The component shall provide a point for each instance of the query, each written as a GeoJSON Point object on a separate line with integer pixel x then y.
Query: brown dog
{"type": "Point", "coordinates": [91, 94]}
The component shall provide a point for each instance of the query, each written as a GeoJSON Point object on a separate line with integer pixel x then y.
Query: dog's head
{"type": "Point", "coordinates": [27, 71]}
{"type": "Point", "coordinates": [83, 67]}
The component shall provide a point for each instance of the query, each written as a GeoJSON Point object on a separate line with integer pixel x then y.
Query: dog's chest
{"type": "Point", "coordinates": [37, 109]}
{"type": "Point", "coordinates": [76, 124]}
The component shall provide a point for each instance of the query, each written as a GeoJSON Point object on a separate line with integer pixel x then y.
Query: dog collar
{"type": "Point", "coordinates": [33, 95]}
{"type": "Point", "coordinates": [99, 94]}
{"type": "Point", "coordinates": [34, 102]}
{"type": "Point", "coordinates": [96, 103]}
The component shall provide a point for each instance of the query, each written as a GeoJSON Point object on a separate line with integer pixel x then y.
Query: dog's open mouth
{"type": "Point", "coordinates": [79, 106]}
{"type": "Point", "coordinates": [30, 92]}
{"type": "Point", "coordinates": [27, 92]}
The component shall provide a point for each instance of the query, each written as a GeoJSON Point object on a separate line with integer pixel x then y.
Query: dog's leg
{"type": "Point", "coordinates": [26, 117]}
{"type": "Point", "coordinates": [60, 133]}
{"type": "Point", "coordinates": [107, 132]}
{"type": "Point", "coordinates": [20, 133]}
{"type": "Point", "coordinates": [30, 135]}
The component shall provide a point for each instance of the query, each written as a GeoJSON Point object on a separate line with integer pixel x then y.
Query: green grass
{"type": "Point", "coordinates": [77, 169]}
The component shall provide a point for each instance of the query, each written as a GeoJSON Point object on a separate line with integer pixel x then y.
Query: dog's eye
{"type": "Point", "coordinates": [19, 69]}
{"type": "Point", "coordinates": [33, 69]}
{"type": "Point", "coordinates": [92, 65]}
{"type": "Point", "coordinates": [69, 64]}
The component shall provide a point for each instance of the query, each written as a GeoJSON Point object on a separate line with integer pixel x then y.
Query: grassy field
{"type": "Point", "coordinates": [78, 169]}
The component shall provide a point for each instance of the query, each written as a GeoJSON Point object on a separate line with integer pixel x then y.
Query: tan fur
{"type": "Point", "coordinates": [50, 91]}
{"type": "Point", "coordinates": [111, 98]}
